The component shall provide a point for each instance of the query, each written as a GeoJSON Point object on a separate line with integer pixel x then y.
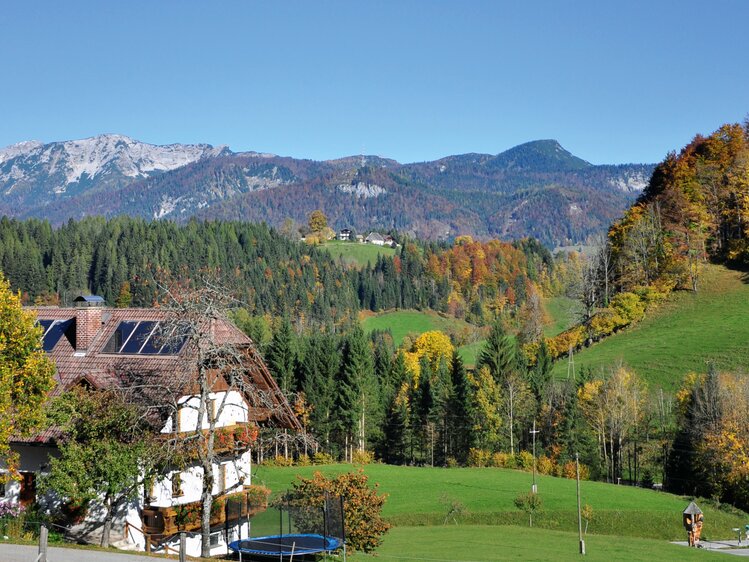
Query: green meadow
{"type": "Point", "coordinates": [628, 523]}
{"type": "Point", "coordinates": [356, 253]}
{"type": "Point", "coordinates": [681, 335]}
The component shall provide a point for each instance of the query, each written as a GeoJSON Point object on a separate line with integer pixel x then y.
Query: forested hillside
{"type": "Point", "coordinates": [123, 259]}
{"type": "Point", "coordinates": [694, 211]}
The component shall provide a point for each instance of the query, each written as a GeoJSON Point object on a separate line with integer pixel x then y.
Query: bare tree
{"type": "Point", "coordinates": [217, 360]}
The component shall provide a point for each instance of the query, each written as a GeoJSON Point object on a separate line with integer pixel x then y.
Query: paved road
{"type": "Point", "coordinates": [23, 553]}
{"type": "Point", "coordinates": [724, 547]}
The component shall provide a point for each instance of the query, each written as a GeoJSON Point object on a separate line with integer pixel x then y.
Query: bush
{"type": "Point", "coordinates": [478, 457]}
{"type": "Point", "coordinates": [362, 457]}
{"type": "Point", "coordinates": [303, 460]}
{"type": "Point", "coordinates": [365, 526]}
{"type": "Point", "coordinates": [545, 465]}
{"type": "Point", "coordinates": [452, 462]}
{"type": "Point", "coordinates": [322, 458]}
{"type": "Point", "coordinates": [530, 503]}
{"type": "Point", "coordinates": [525, 461]}
{"type": "Point", "coordinates": [503, 460]}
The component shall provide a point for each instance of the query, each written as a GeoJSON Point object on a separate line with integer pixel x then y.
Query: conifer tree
{"type": "Point", "coordinates": [358, 394]}
{"type": "Point", "coordinates": [281, 357]}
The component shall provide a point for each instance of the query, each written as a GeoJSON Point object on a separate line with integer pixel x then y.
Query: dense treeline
{"type": "Point", "coordinates": [123, 259]}
{"type": "Point", "coordinates": [419, 404]}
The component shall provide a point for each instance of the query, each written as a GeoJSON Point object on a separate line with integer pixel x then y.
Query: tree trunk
{"type": "Point", "coordinates": [107, 522]}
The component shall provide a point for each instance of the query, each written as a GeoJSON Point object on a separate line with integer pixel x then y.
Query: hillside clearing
{"type": "Point", "coordinates": [356, 253]}
{"type": "Point", "coordinates": [683, 334]}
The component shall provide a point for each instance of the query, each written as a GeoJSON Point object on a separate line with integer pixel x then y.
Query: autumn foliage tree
{"type": "Point", "coordinates": [26, 374]}
{"type": "Point", "coordinates": [364, 525]}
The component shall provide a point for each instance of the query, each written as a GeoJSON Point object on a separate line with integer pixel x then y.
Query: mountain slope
{"type": "Point", "coordinates": [34, 175]}
{"type": "Point", "coordinates": [684, 334]}
{"type": "Point", "coordinates": [537, 188]}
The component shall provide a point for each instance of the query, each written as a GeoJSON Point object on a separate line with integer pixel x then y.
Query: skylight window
{"type": "Point", "coordinates": [53, 331]}
{"type": "Point", "coordinates": [143, 337]}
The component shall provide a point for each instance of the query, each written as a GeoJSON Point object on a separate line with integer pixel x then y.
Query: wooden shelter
{"type": "Point", "coordinates": [693, 518]}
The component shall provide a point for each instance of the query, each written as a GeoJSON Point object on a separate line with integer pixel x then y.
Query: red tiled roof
{"type": "Point", "coordinates": [103, 370]}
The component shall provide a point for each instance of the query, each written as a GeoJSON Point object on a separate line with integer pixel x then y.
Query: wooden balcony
{"type": "Point", "coordinates": [162, 522]}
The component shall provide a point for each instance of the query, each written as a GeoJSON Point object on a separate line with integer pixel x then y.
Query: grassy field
{"type": "Point", "coordinates": [681, 335]}
{"type": "Point", "coordinates": [404, 322]}
{"type": "Point", "coordinates": [356, 253]}
{"type": "Point", "coordinates": [483, 543]}
{"type": "Point", "coordinates": [561, 311]}
{"type": "Point", "coordinates": [417, 498]}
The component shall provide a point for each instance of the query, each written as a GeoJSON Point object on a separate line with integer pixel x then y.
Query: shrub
{"type": "Point", "coordinates": [545, 465]}
{"type": "Point", "coordinates": [503, 460]}
{"type": "Point", "coordinates": [530, 503]}
{"type": "Point", "coordinates": [630, 306]}
{"type": "Point", "coordinates": [322, 458]}
{"type": "Point", "coordinates": [478, 457]}
{"type": "Point", "coordinates": [362, 457]}
{"type": "Point", "coordinates": [303, 460]}
{"type": "Point", "coordinates": [280, 460]}
{"type": "Point", "coordinates": [452, 462]}
{"type": "Point", "coordinates": [525, 460]}
{"type": "Point", "coordinates": [365, 526]}
{"type": "Point", "coordinates": [257, 495]}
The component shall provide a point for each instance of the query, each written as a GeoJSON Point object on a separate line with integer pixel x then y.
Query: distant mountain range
{"type": "Point", "coordinates": [535, 189]}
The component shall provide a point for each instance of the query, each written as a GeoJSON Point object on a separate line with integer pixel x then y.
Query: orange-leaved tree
{"type": "Point", "coordinates": [362, 506]}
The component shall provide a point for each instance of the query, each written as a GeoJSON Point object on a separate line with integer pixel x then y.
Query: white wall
{"type": "Point", "coordinates": [234, 411]}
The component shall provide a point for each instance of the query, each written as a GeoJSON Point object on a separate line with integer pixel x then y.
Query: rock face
{"type": "Point", "coordinates": [534, 189]}
{"type": "Point", "coordinates": [34, 175]}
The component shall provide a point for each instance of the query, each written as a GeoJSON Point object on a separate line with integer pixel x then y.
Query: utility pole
{"type": "Point", "coordinates": [579, 514]}
{"type": "Point", "coordinates": [534, 489]}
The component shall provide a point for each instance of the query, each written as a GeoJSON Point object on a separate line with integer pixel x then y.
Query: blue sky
{"type": "Point", "coordinates": [613, 81]}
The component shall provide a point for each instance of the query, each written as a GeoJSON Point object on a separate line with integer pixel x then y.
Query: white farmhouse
{"type": "Point", "coordinates": [88, 345]}
{"type": "Point", "coordinates": [375, 238]}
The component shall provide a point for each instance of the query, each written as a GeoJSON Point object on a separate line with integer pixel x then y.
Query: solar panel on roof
{"type": "Point", "coordinates": [45, 324]}
{"type": "Point", "coordinates": [144, 337]}
{"type": "Point", "coordinates": [56, 330]}
{"type": "Point", "coordinates": [120, 336]}
{"type": "Point", "coordinates": [139, 337]}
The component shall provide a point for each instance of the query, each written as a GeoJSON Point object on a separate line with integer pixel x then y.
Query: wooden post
{"type": "Point", "coordinates": [182, 547]}
{"type": "Point", "coordinates": [148, 542]}
{"type": "Point", "coordinates": [43, 535]}
{"type": "Point", "coordinates": [579, 515]}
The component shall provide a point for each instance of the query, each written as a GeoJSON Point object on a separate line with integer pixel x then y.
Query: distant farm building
{"type": "Point", "coordinates": [344, 234]}
{"type": "Point", "coordinates": [375, 238]}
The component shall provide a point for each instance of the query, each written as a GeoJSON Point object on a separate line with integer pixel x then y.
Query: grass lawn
{"type": "Point", "coordinates": [470, 352]}
{"type": "Point", "coordinates": [355, 252]}
{"type": "Point", "coordinates": [681, 335]}
{"type": "Point", "coordinates": [416, 496]}
{"type": "Point", "coordinates": [561, 311]}
{"type": "Point", "coordinates": [489, 543]}
{"type": "Point", "coordinates": [404, 322]}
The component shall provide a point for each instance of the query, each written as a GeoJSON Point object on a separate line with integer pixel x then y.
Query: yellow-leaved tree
{"type": "Point", "coordinates": [434, 345]}
{"type": "Point", "coordinates": [26, 374]}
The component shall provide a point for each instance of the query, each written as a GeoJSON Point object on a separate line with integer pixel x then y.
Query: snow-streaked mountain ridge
{"type": "Point", "coordinates": [57, 165]}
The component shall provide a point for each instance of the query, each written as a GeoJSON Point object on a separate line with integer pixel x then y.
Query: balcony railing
{"type": "Point", "coordinates": [161, 522]}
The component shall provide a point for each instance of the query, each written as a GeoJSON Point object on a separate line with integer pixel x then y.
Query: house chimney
{"type": "Point", "coordinates": [87, 320]}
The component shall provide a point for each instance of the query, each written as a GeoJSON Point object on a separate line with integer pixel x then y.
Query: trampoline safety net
{"type": "Point", "coordinates": [292, 524]}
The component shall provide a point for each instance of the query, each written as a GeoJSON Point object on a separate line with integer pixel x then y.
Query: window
{"type": "Point", "coordinates": [53, 332]}
{"type": "Point", "coordinates": [177, 485]}
{"type": "Point", "coordinates": [2, 489]}
{"type": "Point", "coordinates": [215, 539]}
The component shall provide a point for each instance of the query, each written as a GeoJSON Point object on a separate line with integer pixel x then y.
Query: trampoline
{"type": "Point", "coordinates": [285, 545]}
